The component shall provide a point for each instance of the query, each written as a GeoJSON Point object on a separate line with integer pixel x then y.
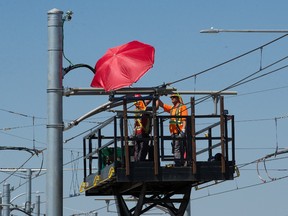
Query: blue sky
{"type": "Point", "coordinates": [173, 29]}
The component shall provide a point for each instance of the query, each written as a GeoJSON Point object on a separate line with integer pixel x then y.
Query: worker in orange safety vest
{"type": "Point", "coordinates": [177, 126]}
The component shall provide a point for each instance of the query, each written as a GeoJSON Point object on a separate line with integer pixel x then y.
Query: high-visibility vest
{"type": "Point", "coordinates": [142, 124]}
{"type": "Point", "coordinates": [176, 121]}
{"type": "Point", "coordinates": [176, 124]}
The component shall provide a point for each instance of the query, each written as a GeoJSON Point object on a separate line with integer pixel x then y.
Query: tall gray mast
{"type": "Point", "coordinates": [6, 199]}
{"type": "Point", "coordinates": [54, 181]}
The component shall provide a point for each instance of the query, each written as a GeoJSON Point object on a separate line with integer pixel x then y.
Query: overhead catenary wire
{"type": "Point", "coordinates": [264, 159]}
{"type": "Point", "coordinates": [239, 188]}
{"type": "Point", "coordinates": [33, 152]}
{"type": "Point", "coordinates": [63, 52]}
{"type": "Point", "coordinates": [259, 91]}
{"type": "Point", "coordinates": [21, 127]}
{"type": "Point", "coordinates": [23, 138]}
{"type": "Point", "coordinates": [240, 166]}
{"type": "Point", "coordinates": [263, 181]}
{"type": "Point", "coordinates": [242, 81]}
{"type": "Point", "coordinates": [262, 75]}
{"type": "Point", "coordinates": [74, 186]}
{"type": "Point", "coordinates": [20, 114]}
{"type": "Point", "coordinates": [246, 80]}
{"type": "Point", "coordinates": [4, 180]}
{"type": "Point", "coordinates": [228, 61]}
{"type": "Point", "coordinates": [84, 132]}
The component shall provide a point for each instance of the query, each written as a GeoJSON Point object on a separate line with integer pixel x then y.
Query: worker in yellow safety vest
{"type": "Point", "coordinates": [142, 129]}
{"type": "Point", "coordinates": [177, 126]}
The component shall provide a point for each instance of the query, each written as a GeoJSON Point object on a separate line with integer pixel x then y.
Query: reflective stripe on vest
{"type": "Point", "coordinates": [140, 126]}
{"type": "Point", "coordinates": [176, 121]}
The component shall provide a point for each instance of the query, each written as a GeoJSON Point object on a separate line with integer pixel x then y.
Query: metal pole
{"type": "Point", "coordinates": [1, 204]}
{"type": "Point", "coordinates": [28, 192]}
{"type": "Point", "coordinates": [6, 199]}
{"type": "Point", "coordinates": [37, 205]}
{"type": "Point", "coordinates": [215, 100]}
{"type": "Point", "coordinates": [54, 180]}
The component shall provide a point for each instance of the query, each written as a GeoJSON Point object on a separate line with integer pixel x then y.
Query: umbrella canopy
{"type": "Point", "coordinates": [123, 65]}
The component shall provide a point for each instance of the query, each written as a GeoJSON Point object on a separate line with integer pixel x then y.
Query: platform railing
{"type": "Point", "coordinates": [102, 149]}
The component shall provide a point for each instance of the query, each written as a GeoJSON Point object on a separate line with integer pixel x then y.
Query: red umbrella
{"type": "Point", "coordinates": [123, 65]}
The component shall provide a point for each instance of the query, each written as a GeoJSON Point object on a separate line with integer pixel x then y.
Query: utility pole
{"type": "Point", "coordinates": [6, 199]}
{"type": "Point", "coordinates": [28, 192]}
{"type": "Point", "coordinates": [1, 204]}
{"type": "Point", "coordinates": [37, 205]}
{"type": "Point", "coordinates": [54, 180]}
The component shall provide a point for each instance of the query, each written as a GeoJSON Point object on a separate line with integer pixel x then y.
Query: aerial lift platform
{"type": "Point", "coordinates": [110, 169]}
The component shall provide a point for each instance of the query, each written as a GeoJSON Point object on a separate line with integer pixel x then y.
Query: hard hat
{"type": "Point", "coordinates": [177, 95]}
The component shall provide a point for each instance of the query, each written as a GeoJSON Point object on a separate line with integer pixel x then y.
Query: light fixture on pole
{"type": "Point", "coordinates": [212, 30]}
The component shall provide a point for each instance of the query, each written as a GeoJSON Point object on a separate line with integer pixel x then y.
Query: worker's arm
{"type": "Point", "coordinates": [146, 102]}
{"type": "Point", "coordinates": [159, 103]}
